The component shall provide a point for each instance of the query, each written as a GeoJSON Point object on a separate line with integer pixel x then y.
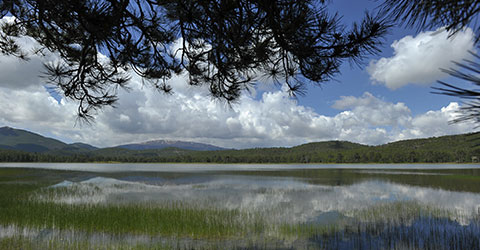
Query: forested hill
{"type": "Point", "coordinates": [456, 148]}
{"type": "Point", "coordinates": [17, 139]}
{"type": "Point", "coordinates": [26, 141]}
{"type": "Point", "coordinates": [161, 144]}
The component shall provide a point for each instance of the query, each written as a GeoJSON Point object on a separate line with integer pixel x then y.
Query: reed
{"type": "Point", "coordinates": [39, 219]}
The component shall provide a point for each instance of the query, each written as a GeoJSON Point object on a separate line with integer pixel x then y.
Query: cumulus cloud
{"type": "Point", "coordinates": [19, 73]}
{"type": "Point", "coordinates": [273, 119]}
{"type": "Point", "coordinates": [370, 110]}
{"type": "Point", "coordinates": [432, 123]}
{"type": "Point", "coordinates": [418, 60]}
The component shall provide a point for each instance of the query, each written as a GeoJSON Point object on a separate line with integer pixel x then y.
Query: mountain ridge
{"type": "Point", "coordinates": [451, 148]}
{"type": "Point", "coordinates": [160, 144]}
{"type": "Point", "coordinates": [25, 140]}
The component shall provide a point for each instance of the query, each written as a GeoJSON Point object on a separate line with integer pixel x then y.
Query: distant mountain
{"type": "Point", "coordinates": [117, 153]}
{"type": "Point", "coordinates": [23, 140]}
{"type": "Point", "coordinates": [328, 146]}
{"type": "Point", "coordinates": [18, 145]}
{"type": "Point", "coordinates": [81, 145]}
{"type": "Point", "coordinates": [18, 139]}
{"type": "Point", "coordinates": [161, 144]}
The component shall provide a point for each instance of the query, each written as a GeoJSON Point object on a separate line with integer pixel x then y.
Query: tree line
{"type": "Point", "coordinates": [460, 149]}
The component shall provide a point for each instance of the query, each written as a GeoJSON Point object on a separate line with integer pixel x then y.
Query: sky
{"type": "Point", "coordinates": [387, 99]}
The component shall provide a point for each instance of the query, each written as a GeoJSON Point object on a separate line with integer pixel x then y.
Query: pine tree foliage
{"type": "Point", "coordinates": [224, 44]}
{"type": "Point", "coordinates": [454, 15]}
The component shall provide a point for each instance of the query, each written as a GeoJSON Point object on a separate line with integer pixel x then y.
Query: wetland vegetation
{"type": "Point", "coordinates": [249, 209]}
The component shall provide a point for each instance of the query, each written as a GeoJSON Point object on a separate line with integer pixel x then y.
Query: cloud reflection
{"type": "Point", "coordinates": [287, 200]}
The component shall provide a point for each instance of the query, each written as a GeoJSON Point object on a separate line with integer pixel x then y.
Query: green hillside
{"type": "Point", "coordinates": [80, 145]}
{"type": "Point", "coordinates": [17, 139]}
{"type": "Point", "coordinates": [465, 142]}
{"type": "Point", "coordinates": [22, 140]}
{"type": "Point", "coordinates": [148, 153]}
{"type": "Point", "coordinates": [329, 146]}
{"type": "Point", "coordinates": [461, 148]}
{"type": "Point", "coordinates": [20, 145]}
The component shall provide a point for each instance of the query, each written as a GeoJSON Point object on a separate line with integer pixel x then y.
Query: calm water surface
{"type": "Point", "coordinates": [119, 167]}
{"type": "Point", "coordinates": [300, 194]}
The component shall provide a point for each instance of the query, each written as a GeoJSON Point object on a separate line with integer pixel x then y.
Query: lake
{"type": "Point", "coordinates": [204, 206]}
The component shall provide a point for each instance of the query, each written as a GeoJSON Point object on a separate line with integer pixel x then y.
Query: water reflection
{"type": "Point", "coordinates": [402, 208]}
{"type": "Point", "coordinates": [280, 199]}
{"type": "Point", "coordinates": [203, 167]}
{"type": "Point", "coordinates": [422, 233]}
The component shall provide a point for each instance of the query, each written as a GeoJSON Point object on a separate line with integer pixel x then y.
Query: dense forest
{"type": "Point", "coordinates": [457, 148]}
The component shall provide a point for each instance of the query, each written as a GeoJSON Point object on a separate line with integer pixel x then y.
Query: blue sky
{"type": "Point", "coordinates": [387, 99]}
{"type": "Point", "coordinates": [354, 81]}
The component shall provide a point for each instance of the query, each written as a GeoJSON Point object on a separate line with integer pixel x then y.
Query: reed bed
{"type": "Point", "coordinates": [398, 225]}
{"type": "Point", "coordinates": [35, 216]}
{"type": "Point", "coordinates": [174, 219]}
{"type": "Point", "coordinates": [23, 243]}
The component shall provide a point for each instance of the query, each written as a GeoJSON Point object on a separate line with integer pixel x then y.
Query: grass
{"type": "Point", "coordinates": [170, 220]}
{"type": "Point", "coordinates": [41, 221]}
{"type": "Point", "coordinates": [176, 219]}
{"type": "Point", "coordinates": [401, 212]}
{"type": "Point", "coordinates": [398, 225]}
{"type": "Point", "coordinates": [23, 243]}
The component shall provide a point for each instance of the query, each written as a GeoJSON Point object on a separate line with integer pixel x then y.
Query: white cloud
{"type": "Point", "coordinates": [191, 114]}
{"type": "Point", "coordinates": [371, 110]}
{"type": "Point", "coordinates": [418, 60]}
{"type": "Point", "coordinates": [273, 120]}
{"type": "Point", "coordinates": [24, 73]}
{"type": "Point", "coordinates": [435, 123]}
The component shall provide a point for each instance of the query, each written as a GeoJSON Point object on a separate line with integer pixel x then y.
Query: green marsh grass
{"type": "Point", "coordinates": [175, 219]}
{"type": "Point", "coordinates": [31, 206]}
{"type": "Point", "coordinates": [396, 225]}
{"type": "Point", "coordinates": [24, 243]}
